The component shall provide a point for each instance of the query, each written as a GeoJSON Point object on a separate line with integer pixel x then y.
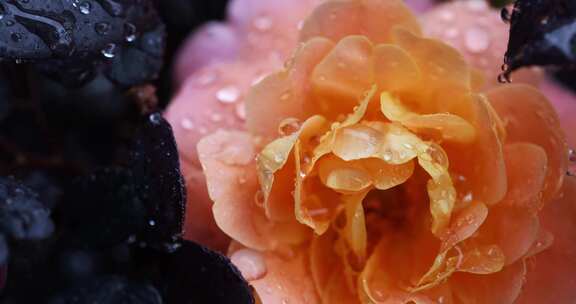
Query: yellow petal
{"type": "Point", "coordinates": [445, 126]}
{"type": "Point", "coordinates": [442, 199]}
{"type": "Point", "coordinates": [483, 260]}
{"type": "Point", "coordinates": [356, 142]}
{"type": "Point", "coordinates": [386, 176]}
{"type": "Point", "coordinates": [270, 164]}
{"type": "Point", "coordinates": [355, 229]}
{"type": "Point", "coordinates": [342, 176]}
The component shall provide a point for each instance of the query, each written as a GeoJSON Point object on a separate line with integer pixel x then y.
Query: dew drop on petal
{"type": "Point", "coordinates": [251, 264]}
{"type": "Point", "coordinates": [187, 124]}
{"type": "Point", "coordinates": [259, 199]}
{"type": "Point", "coordinates": [451, 33]}
{"type": "Point", "coordinates": [477, 5]}
{"type": "Point", "coordinates": [477, 40]}
{"type": "Point", "coordinates": [263, 23]}
{"type": "Point", "coordinates": [446, 15]}
{"type": "Point", "coordinates": [205, 79]}
{"type": "Point", "coordinates": [241, 111]}
{"type": "Point", "coordinates": [288, 126]}
{"type": "Point", "coordinates": [228, 94]}
{"type": "Point", "coordinates": [216, 117]}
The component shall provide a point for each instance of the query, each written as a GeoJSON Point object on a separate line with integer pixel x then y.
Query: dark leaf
{"type": "Point", "coordinates": [110, 290]}
{"type": "Point", "coordinates": [22, 216]}
{"type": "Point", "coordinates": [542, 33]}
{"type": "Point", "coordinates": [140, 61]}
{"type": "Point", "coordinates": [156, 165]}
{"type": "Point", "coordinates": [3, 257]}
{"type": "Point", "coordinates": [196, 275]}
{"type": "Point", "coordinates": [103, 209]}
{"type": "Point", "coordinates": [73, 40]}
{"type": "Point", "coordinates": [42, 29]}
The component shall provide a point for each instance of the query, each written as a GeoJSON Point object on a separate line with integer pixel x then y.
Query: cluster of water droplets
{"type": "Point", "coordinates": [84, 7]}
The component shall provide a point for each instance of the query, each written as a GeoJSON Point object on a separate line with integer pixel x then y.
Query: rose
{"type": "Point", "coordinates": [271, 261]}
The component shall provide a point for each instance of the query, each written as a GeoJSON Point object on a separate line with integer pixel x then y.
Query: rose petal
{"type": "Point", "coordinates": [514, 230]}
{"type": "Point", "coordinates": [394, 68]}
{"type": "Point", "coordinates": [213, 43]}
{"type": "Point", "coordinates": [450, 127]}
{"type": "Point", "coordinates": [481, 163]}
{"type": "Point", "coordinates": [287, 280]}
{"type": "Point", "coordinates": [526, 165]}
{"type": "Point", "coordinates": [283, 95]}
{"type": "Point", "coordinates": [372, 18]}
{"type": "Point", "coordinates": [343, 75]}
{"type": "Point", "coordinates": [551, 279]}
{"type": "Point", "coordinates": [499, 288]}
{"type": "Point", "coordinates": [564, 101]}
{"type": "Point", "coordinates": [342, 176]}
{"type": "Point", "coordinates": [199, 225]}
{"type": "Point", "coordinates": [535, 121]}
{"type": "Point", "coordinates": [228, 161]}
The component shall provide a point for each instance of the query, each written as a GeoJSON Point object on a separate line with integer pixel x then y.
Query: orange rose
{"type": "Point", "coordinates": [375, 171]}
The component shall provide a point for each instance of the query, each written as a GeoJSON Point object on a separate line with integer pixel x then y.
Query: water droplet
{"type": "Point", "coordinates": [83, 6]}
{"type": "Point", "coordinates": [504, 78]}
{"type": "Point", "coordinates": [102, 28]}
{"type": "Point", "coordinates": [477, 39]}
{"type": "Point", "coordinates": [285, 96]}
{"type": "Point", "coordinates": [288, 126]}
{"type": "Point", "coordinates": [263, 23]}
{"type": "Point", "coordinates": [216, 117]}
{"type": "Point", "coordinates": [505, 15]}
{"type": "Point", "coordinates": [113, 7]}
{"type": "Point", "coordinates": [446, 15]}
{"type": "Point", "coordinates": [259, 199]}
{"type": "Point", "coordinates": [206, 79]}
{"type": "Point", "coordinates": [258, 79]}
{"type": "Point", "coordinates": [155, 118]}
{"type": "Point", "coordinates": [109, 51]}
{"type": "Point", "coordinates": [452, 33]}
{"type": "Point", "coordinates": [187, 124]}
{"type": "Point", "coordinates": [241, 111]}
{"type": "Point", "coordinates": [129, 32]}
{"type": "Point", "coordinates": [468, 197]}
{"type": "Point", "coordinates": [242, 180]}
{"type": "Point", "coordinates": [300, 25]}
{"type": "Point", "coordinates": [16, 37]}
{"type": "Point", "coordinates": [477, 5]}
{"type": "Point", "coordinates": [229, 94]}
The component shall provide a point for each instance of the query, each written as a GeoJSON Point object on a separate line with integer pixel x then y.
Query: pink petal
{"type": "Point", "coordinates": [199, 223]}
{"type": "Point", "coordinates": [551, 278]}
{"type": "Point", "coordinates": [565, 103]}
{"type": "Point", "coordinates": [214, 42]}
{"type": "Point", "coordinates": [280, 277]}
